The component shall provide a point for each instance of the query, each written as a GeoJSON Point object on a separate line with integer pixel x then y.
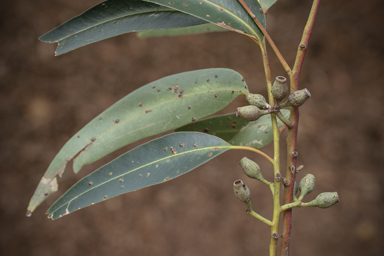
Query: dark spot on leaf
{"type": "Point", "coordinates": [193, 119]}
{"type": "Point", "coordinates": [216, 76]}
{"type": "Point", "coordinates": [105, 197]}
{"type": "Point", "coordinates": [246, 86]}
{"type": "Point", "coordinates": [181, 145]}
{"type": "Point", "coordinates": [122, 186]}
{"type": "Point", "coordinates": [173, 150]}
{"type": "Point", "coordinates": [234, 121]}
{"type": "Point", "coordinates": [221, 9]}
{"type": "Point", "coordinates": [215, 148]}
{"type": "Point", "coordinates": [181, 91]}
{"type": "Point", "coordinates": [233, 92]}
{"type": "Point", "coordinates": [158, 90]}
{"type": "Point", "coordinates": [210, 154]}
{"type": "Point", "coordinates": [148, 173]}
{"type": "Point", "coordinates": [189, 107]}
{"type": "Point", "coordinates": [167, 178]}
{"type": "Point", "coordinates": [90, 183]}
{"type": "Point", "coordinates": [180, 95]}
{"type": "Point", "coordinates": [140, 175]}
{"type": "Point", "coordinates": [185, 4]}
{"type": "Point", "coordinates": [93, 139]}
{"type": "Point", "coordinates": [165, 149]}
{"type": "Point", "coordinates": [170, 2]}
{"type": "Point", "coordinates": [242, 79]}
{"type": "Point", "coordinates": [206, 130]}
{"type": "Point", "coordinates": [140, 104]}
{"type": "Point", "coordinates": [215, 95]}
{"type": "Point", "coordinates": [45, 194]}
{"type": "Point", "coordinates": [169, 88]}
{"type": "Point", "coordinates": [233, 126]}
{"type": "Point", "coordinates": [266, 131]}
{"type": "Point", "coordinates": [147, 111]}
{"type": "Point", "coordinates": [178, 171]}
{"type": "Point", "coordinates": [228, 118]}
{"type": "Point", "coordinates": [117, 121]}
{"type": "Point", "coordinates": [78, 136]}
{"type": "Point", "coordinates": [207, 80]}
{"type": "Point", "coordinates": [121, 180]}
{"type": "Point", "coordinates": [153, 87]}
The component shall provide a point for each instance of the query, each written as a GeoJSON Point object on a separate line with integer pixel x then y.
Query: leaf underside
{"type": "Point", "coordinates": [228, 14]}
{"type": "Point", "coordinates": [112, 18]}
{"type": "Point", "coordinates": [266, 4]}
{"type": "Point", "coordinates": [157, 107]}
{"type": "Point", "coordinates": [155, 162]}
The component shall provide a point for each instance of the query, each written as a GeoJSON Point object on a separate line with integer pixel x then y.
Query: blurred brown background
{"type": "Point", "coordinates": [44, 100]}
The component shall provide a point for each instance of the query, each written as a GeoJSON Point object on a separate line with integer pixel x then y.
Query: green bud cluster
{"type": "Point", "coordinates": [251, 169]}
{"type": "Point", "coordinates": [280, 88]}
{"type": "Point", "coordinates": [324, 200]}
{"type": "Point", "coordinates": [250, 113]}
{"type": "Point", "coordinates": [257, 100]}
{"type": "Point", "coordinates": [241, 191]}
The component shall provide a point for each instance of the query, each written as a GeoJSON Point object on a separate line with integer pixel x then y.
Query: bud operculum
{"type": "Point", "coordinates": [306, 185]}
{"type": "Point", "coordinates": [324, 200]}
{"type": "Point", "coordinates": [280, 88]}
{"type": "Point", "coordinates": [241, 191]}
{"type": "Point", "coordinates": [297, 98]}
{"type": "Point", "coordinates": [251, 169]}
{"type": "Point", "coordinates": [250, 113]}
{"type": "Point", "coordinates": [257, 100]}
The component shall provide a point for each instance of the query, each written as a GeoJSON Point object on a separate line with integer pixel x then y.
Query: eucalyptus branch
{"type": "Point", "coordinates": [292, 133]}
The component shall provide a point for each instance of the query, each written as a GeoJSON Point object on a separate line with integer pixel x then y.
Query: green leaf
{"type": "Point", "coordinates": [112, 18]}
{"type": "Point", "coordinates": [155, 162]}
{"type": "Point", "coordinates": [226, 13]}
{"type": "Point", "coordinates": [266, 4]}
{"type": "Point", "coordinates": [259, 133]}
{"type": "Point", "coordinates": [225, 126]}
{"type": "Point", "coordinates": [191, 30]}
{"type": "Point", "coordinates": [157, 107]}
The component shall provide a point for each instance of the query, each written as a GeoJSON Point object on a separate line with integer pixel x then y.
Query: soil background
{"type": "Point", "coordinates": [44, 100]}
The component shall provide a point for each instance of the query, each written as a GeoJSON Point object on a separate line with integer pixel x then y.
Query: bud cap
{"type": "Point", "coordinates": [241, 191]}
{"type": "Point", "coordinates": [251, 169]}
{"type": "Point", "coordinates": [257, 100]}
{"type": "Point", "coordinates": [298, 98]}
{"type": "Point", "coordinates": [280, 88]}
{"type": "Point", "coordinates": [325, 200]}
{"type": "Point", "coordinates": [250, 113]}
{"type": "Point", "coordinates": [306, 185]}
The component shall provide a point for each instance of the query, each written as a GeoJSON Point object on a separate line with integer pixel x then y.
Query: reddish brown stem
{"type": "Point", "coordinates": [292, 133]}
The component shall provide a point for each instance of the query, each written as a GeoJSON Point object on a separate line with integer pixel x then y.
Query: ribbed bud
{"type": "Point", "coordinates": [250, 113]}
{"type": "Point", "coordinates": [297, 98]}
{"type": "Point", "coordinates": [241, 191]}
{"type": "Point", "coordinates": [280, 88]}
{"type": "Point", "coordinates": [257, 100]}
{"type": "Point", "coordinates": [325, 200]}
{"type": "Point", "coordinates": [306, 185]}
{"type": "Point", "coordinates": [251, 169]}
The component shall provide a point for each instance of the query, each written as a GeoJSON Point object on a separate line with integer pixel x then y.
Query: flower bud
{"type": "Point", "coordinates": [241, 191]}
{"type": "Point", "coordinates": [325, 200]}
{"type": "Point", "coordinates": [251, 169]}
{"type": "Point", "coordinates": [297, 98]}
{"type": "Point", "coordinates": [306, 185]}
{"type": "Point", "coordinates": [257, 100]}
{"type": "Point", "coordinates": [250, 113]}
{"type": "Point", "coordinates": [280, 88]}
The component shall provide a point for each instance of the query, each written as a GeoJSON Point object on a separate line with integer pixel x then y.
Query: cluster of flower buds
{"type": "Point", "coordinates": [323, 200]}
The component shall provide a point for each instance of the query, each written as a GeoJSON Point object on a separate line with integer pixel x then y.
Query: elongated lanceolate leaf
{"type": "Point", "coordinates": [224, 126]}
{"type": "Point", "coordinates": [157, 161]}
{"type": "Point", "coordinates": [112, 18]}
{"type": "Point", "coordinates": [266, 4]}
{"type": "Point", "coordinates": [259, 133]}
{"type": "Point", "coordinates": [226, 13]}
{"type": "Point", "coordinates": [191, 30]}
{"type": "Point", "coordinates": [162, 105]}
